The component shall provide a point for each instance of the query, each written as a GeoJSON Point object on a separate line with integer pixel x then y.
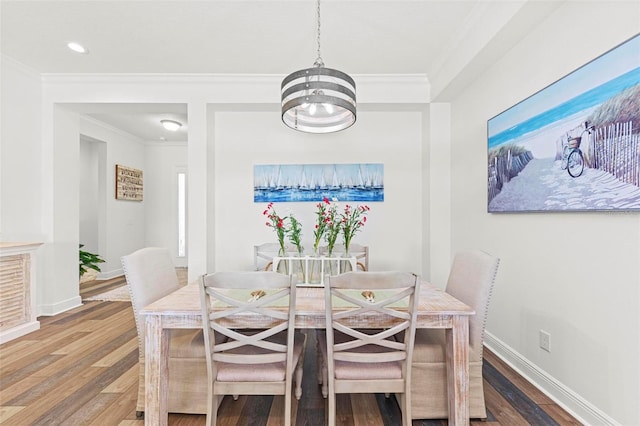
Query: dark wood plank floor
{"type": "Point", "coordinates": [80, 368]}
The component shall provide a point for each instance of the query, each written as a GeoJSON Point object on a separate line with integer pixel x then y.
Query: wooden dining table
{"type": "Point", "coordinates": [181, 309]}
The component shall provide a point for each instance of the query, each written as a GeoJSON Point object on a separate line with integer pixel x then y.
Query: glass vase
{"type": "Point", "coordinates": [345, 265]}
{"type": "Point", "coordinates": [315, 268]}
{"type": "Point", "coordinates": [298, 268]}
{"type": "Point", "coordinates": [283, 265]}
{"type": "Point", "coordinates": [331, 267]}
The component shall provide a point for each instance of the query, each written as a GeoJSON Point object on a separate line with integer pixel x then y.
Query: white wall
{"type": "Point", "coordinates": [20, 205]}
{"type": "Point", "coordinates": [57, 281]}
{"type": "Point", "coordinates": [574, 275]}
{"type": "Point", "coordinates": [162, 162]}
{"type": "Point", "coordinates": [394, 227]}
{"type": "Point", "coordinates": [438, 240]}
{"type": "Point", "coordinates": [89, 198]}
{"type": "Point", "coordinates": [124, 220]}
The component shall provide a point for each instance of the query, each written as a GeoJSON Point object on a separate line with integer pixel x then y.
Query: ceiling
{"type": "Point", "coordinates": [274, 37]}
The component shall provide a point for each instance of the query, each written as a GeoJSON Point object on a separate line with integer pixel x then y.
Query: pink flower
{"type": "Point", "coordinates": [352, 220]}
{"type": "Point", "coordinates": [277, 223]}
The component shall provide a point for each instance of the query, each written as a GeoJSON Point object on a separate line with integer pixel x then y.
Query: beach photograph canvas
{"type": "Point", "coordinates": [574, 145]}
{"type": "Point", "coordinates": [314, 182]}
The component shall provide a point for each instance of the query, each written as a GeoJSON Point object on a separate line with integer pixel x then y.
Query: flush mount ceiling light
{"type": "Point", "coordinates": [77, 47]}
{"type": "Point", "coordinates": [171, 125]}
{"type": "Point", "coordinates": [318, 99]}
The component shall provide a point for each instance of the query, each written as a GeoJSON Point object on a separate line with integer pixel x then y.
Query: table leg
{"type": "Point", "coordinates": [156, 372]}
{"type": "Point", "coordinates": [458, 370]}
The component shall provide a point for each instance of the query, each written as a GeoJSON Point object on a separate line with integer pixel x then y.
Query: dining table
{"type": "Point", "coordinates": [182, 310]}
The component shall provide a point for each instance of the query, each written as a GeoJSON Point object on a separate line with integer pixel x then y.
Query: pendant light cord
{"type": "Point", "coordinates": [318, 62]}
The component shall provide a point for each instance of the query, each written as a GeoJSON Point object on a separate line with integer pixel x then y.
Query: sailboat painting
{"type": "Point", "coordinates": [314, 182]}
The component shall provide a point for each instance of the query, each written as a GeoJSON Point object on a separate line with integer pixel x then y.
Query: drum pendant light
{"type": "Point", "coordinates": [318, 99]}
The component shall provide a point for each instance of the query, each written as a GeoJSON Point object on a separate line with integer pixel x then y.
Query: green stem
{"type": "Point", "coordinates": [283, 253]}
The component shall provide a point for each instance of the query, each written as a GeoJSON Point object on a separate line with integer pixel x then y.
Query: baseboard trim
{"type": "Point", "coordinates": [110, 274]}
{"type": "Point", "coordinates": [574, 404]}
{"type": "Point", "coordinates": [18, 331]}
{"type": "Point", "coordinates": [60, 307]}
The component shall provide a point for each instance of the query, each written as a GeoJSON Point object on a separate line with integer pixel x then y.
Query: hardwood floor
{"type": "Point", "coordinates": [92, 288]}
{"type": "Point", "coordinates": [81, 368]}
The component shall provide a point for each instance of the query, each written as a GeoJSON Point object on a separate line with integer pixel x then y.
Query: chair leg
{"type": "Point", "coordinates": [287, 408]}
{"type": "Point", "coordinates": [212, 406]}
{"type": "Point", "coordinates": [325, 380]}
{"type": "Point", "coordinates": [331, 415]}
{"type": "Point", "coordinates": [406, 411]}
{"type": "Point", "coordinates": [318, 361]}
{"type": "Point", "coordinates": [319, 368]}
{"type": "Point", "coordinates": [299, 371]}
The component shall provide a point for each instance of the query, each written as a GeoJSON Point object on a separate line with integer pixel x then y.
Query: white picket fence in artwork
{"type": "Point", "coordinates": [616, 150]}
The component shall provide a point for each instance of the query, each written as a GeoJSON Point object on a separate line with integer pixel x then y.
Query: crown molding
{"type": "Point", "coordinates": [110, 128]}
{"type": "Point", "coordinates": [19, 65]}
{"type": "Point", "coordinates": [222, 88]}
{"type": "Point", "coordinates": [217, 78]}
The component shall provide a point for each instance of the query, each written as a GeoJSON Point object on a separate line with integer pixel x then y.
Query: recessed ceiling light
{"type": "Point", "coordinates": [171, 125]}
{"type": "Point", "coordinates": [77, 47]}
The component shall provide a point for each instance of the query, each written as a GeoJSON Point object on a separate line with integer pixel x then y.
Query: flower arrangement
{"type": "Point", "coordinates": [352, 219]}
{"type": "Point", "coordinates": [277, 223]}
{"type": "Point", "coordinates": [295, 234]}
{"type": "Point", "coordinates": [330, 223]}
{"type": "Point", "coordinates": [333, 225]}
{"type": "Point", "coordinates": [321, 224]}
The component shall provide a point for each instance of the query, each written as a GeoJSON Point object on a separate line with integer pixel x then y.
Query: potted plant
{"type": "Point", "coordinates": [88, 261]}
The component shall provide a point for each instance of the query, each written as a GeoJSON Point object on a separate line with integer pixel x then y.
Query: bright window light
{"type": "Point", "coordinates": [182, 214]}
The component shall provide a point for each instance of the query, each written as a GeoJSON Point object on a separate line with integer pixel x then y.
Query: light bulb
{"type": "Point", "coordinates": [328, 107]}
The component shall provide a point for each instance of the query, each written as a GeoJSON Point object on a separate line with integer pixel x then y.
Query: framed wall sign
{"type": "Point", "coordinates": [128, 183]}
{"type": "Point", "coordinates": [574, 145]}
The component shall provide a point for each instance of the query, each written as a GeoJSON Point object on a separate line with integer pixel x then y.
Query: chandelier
{"type": "Point", "coordinates": [318, 99]}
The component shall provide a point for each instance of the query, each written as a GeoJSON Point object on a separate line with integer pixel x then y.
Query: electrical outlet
{"type": "Point", "coordinates": [545, 340]}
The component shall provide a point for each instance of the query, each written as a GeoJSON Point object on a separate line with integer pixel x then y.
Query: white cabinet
{"type": "Point", "coordinates": [17, 290]}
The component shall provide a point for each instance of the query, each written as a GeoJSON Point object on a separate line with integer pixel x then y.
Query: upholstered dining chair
{"type": "Point", "coordinates": [251, 362]}
{"type": "Point", "coordinates": [376, 359]}
{"type": "Point", "coordinates": [470, 280]}
{"type": "Point", "coordinates": [150, 275]}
